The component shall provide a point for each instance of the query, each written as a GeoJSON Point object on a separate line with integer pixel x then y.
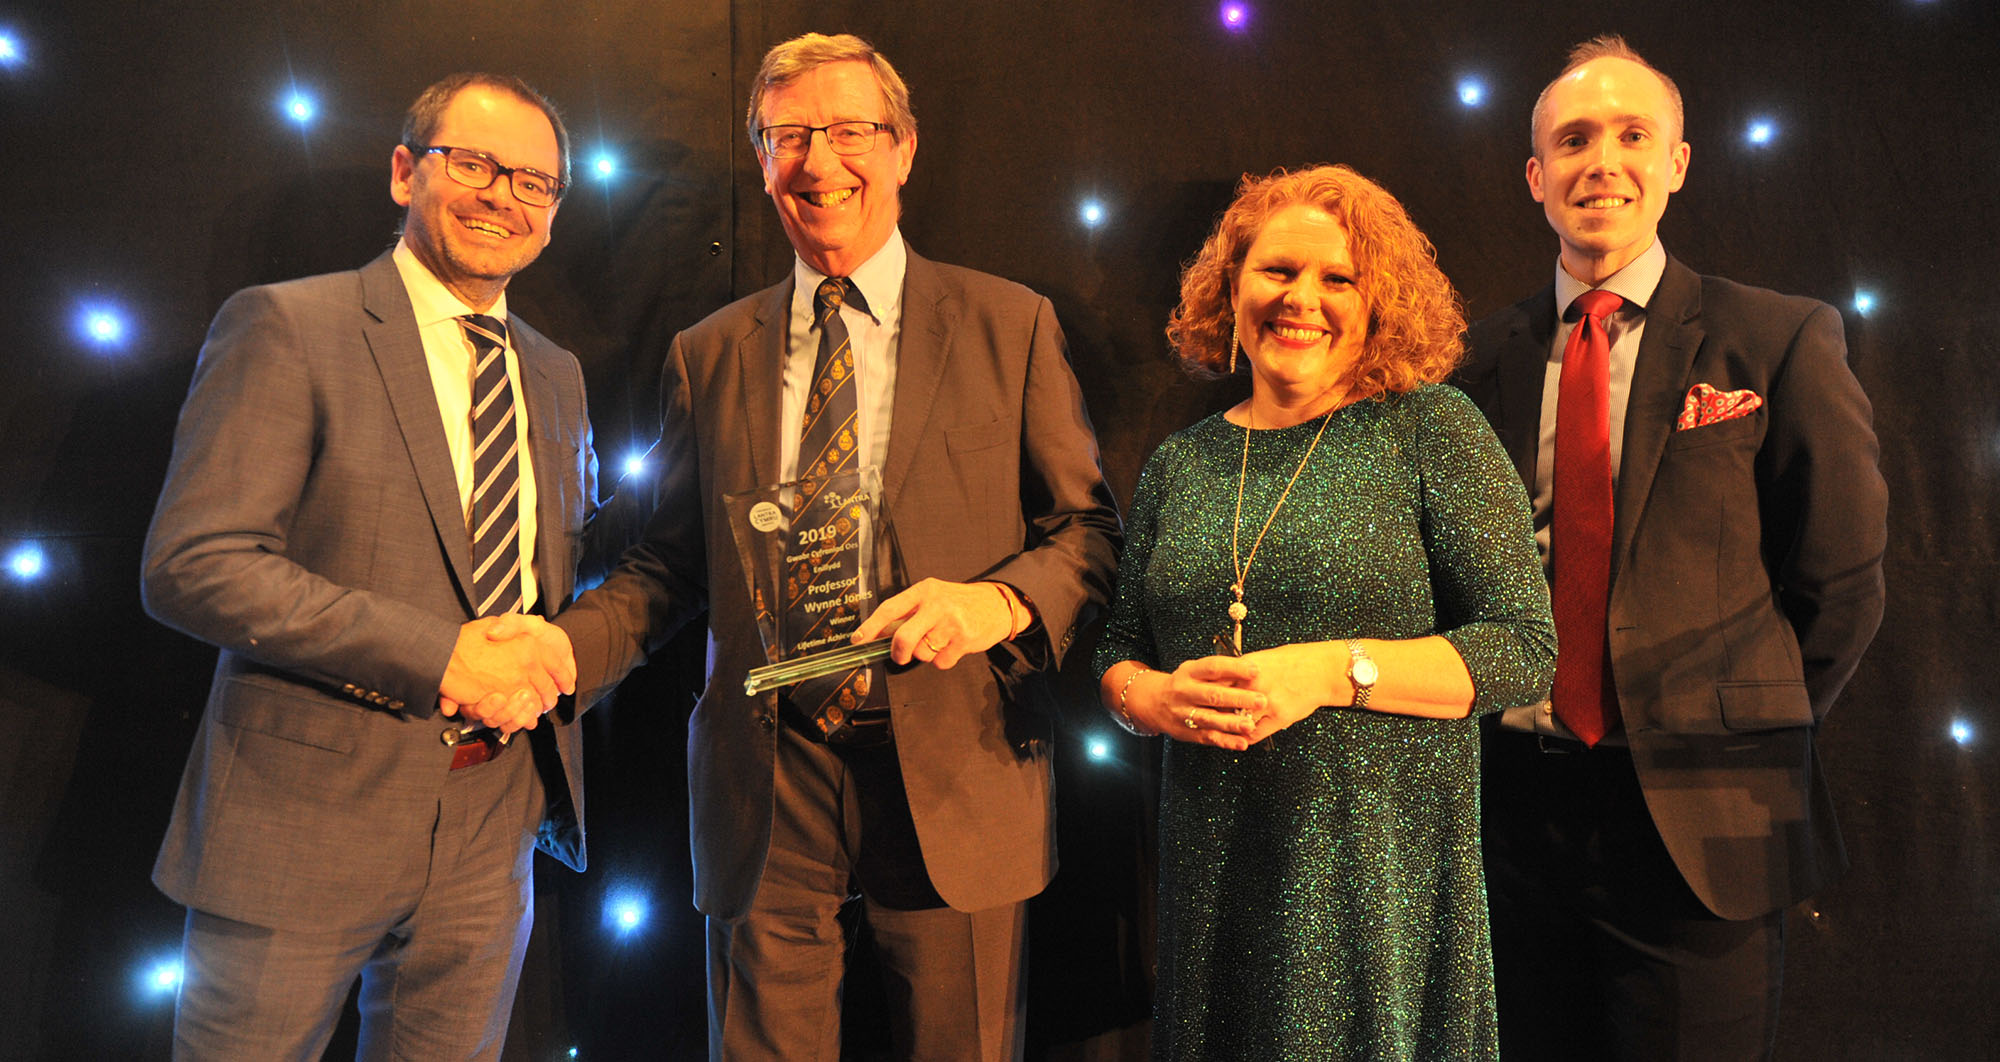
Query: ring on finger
{"type": "Point", "coordinates": [1191, 724]}
{"type": "Point", "coordinates": [932, 646]}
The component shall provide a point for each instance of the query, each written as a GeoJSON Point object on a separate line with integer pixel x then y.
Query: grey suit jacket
{"type": "Point", "coordinates": [310, 526]}
{"type": "Point", "coordinates": [1746, 568]}
{"type": "Point", "coordinates": [992, 473]}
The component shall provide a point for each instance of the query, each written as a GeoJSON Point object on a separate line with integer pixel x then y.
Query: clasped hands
{"type": "Point", "coordinates": [506, 670]}
{"type": "Point", "coordinates": [1230, 702]}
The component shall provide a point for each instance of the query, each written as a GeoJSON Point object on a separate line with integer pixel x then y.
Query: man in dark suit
{"type": "Point", "coordinates": [1705, 490]}
{"type": "Point", "coordinates": [366, 463]}
{"type": "Point", "coordinates": [932, 804]}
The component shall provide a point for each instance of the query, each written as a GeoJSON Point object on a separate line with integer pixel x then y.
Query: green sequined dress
{"type": "Point", "coordinates": [1321, 894]}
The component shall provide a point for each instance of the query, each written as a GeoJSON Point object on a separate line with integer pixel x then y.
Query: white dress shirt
{"type": "Point", "coordinates": [873, 336]}
{"type": "Point", "coordinates": [449, 354]}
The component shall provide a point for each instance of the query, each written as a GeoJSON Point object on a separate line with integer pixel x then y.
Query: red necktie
{"type": "Point", "coordinates": [1580, 541]}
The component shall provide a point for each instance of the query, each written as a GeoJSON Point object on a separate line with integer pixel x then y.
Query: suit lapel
{"type": "Point", "coordinates": [1659, 381]}
{"type": "Point", "coordinates": [392, 338]}
{"type": "Point", "coordinates": [761, 355]}
{"type": "Point", "coordinates": [1523, 369]}
{"type": "Point", "coordinates": [922, 350]}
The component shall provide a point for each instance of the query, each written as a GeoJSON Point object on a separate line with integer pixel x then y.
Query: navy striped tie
{"type": "Point", "coordinates": [496, 471]}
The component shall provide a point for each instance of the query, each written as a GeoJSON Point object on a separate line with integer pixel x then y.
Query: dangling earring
{"type": "Point", "coordinates": [1234, 342]}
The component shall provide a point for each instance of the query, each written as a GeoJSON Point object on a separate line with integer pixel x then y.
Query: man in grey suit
{"type": "Point", "coordinates": [366, 463]}
{"type": "Point", "coordinates": [933, 808]}
{"type": "Point", "coordinates": [1703, 471]}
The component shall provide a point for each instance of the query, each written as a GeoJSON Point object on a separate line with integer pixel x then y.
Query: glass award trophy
{"type": "Point", "coordinates": [812, 553]}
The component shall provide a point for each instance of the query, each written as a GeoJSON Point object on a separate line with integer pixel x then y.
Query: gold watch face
{"type": "Point", "coordinates": [1364, 672]}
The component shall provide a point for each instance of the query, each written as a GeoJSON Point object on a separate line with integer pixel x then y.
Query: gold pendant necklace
{"type": "Point", "coordinates": [1237, 609]}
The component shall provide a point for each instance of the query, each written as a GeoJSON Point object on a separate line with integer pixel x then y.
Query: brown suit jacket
{"type": "Point", "coordinates": [992, 473]}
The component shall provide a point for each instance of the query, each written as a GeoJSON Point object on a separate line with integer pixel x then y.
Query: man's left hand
{"type": "Point", "coordinates": [942, 622]}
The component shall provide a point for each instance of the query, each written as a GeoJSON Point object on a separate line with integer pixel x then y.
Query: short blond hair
{"type": "Point", "coordinates": [1605, 46]}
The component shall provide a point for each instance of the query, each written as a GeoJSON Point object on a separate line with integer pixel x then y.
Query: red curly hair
{"type": "Point", "coordinates": [1416, 321]}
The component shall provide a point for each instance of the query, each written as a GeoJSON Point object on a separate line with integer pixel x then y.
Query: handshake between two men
{"type": "Point", "coordinates": [506, 670]}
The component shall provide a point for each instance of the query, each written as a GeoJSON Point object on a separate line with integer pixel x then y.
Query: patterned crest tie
{"type": "Point", "coordinates": [1580, 540]}
{"type": "Point", "coordinates": [852, 707]}
{"type": "Point", "coordinates": [496, 474]}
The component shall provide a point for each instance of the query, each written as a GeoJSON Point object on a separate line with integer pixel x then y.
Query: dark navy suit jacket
{"type": "Point", "coordinates": [1746, 568]}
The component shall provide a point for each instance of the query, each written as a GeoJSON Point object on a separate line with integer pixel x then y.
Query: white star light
{"type": "Point", "coordinates": [161, 977]}
{"type": "Point", "coordinates": [101, 325]}
{"type": "Point", "coordinates": [26, 562]}
{"type": "Point", "coordinates": [625, 910]}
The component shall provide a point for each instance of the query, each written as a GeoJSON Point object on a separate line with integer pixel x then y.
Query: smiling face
{"type": "Point", "coordinates": [476, 239]}
{"type": "Point", "coordinates": [1299, 316]}
{"type": "Point", "coordinates": [1607, 156]}
{"type": "Point", "coordinates": [838, 210]}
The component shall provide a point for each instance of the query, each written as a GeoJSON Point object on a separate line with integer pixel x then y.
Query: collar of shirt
{"type": "Point", "coordinates": [873, 336]}
{"type": "Point", "coordinates": [1626, 328]}
{"type": "Point", "coordinates": [1635, 283]}
{"type": "Point", "coordinates": [447, 354]}
{"type": "Point", "coordinates": [432, 301]}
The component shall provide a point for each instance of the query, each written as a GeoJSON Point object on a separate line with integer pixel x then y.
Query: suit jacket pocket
{"type": "Point", "coordinates": [1764, 705]}
{"type": "Point", "coordinates": [967, 438]}
{"type": "Point", "coordinates": [274, 708]}
{"type": "Point", "coordinates": [1749, 426]}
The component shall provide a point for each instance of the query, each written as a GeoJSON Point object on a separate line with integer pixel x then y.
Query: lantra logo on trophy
{"type": "Point", "coordinates": [812, 552]}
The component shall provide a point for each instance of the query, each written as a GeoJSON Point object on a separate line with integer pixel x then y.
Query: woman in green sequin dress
{"type": "Point", "coordinates": [1320, 886]}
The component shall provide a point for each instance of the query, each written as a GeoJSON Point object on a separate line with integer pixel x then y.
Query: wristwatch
{"type": "Point", "coordinates": [1361, 672]}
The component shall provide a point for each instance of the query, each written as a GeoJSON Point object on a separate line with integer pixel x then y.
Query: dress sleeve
{"type": "Point", "coordinates": [1486, 577]}
{"type": "Point", "coordinates": [1128, 633]}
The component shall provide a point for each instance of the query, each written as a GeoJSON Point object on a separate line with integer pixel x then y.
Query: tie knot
{"type": "Point", "coordinates": [484, 331]}
{"type": "Point", "coordinates": [835, 292]}
{"type": "Point", "coordinates": [832, 292]}
{"type": "Point", "coordinates": [1599, 303]}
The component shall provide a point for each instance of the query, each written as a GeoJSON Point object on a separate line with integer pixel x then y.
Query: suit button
{"type": "Point", "coordinates": [350, 688]}
{"type": "Point", "coordinates": [397, 705]}
{"type": "Point", "coordinates": [767, 721]}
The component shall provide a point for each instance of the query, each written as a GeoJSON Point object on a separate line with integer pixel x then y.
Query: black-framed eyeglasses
{"type": "Point", "coordinates": [845, 138]}
{"type": "Point", "coordinates": [477, 169]}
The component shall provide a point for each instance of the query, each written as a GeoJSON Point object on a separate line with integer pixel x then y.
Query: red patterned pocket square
{"type": "Point", "coordinates": [1706, 405]}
